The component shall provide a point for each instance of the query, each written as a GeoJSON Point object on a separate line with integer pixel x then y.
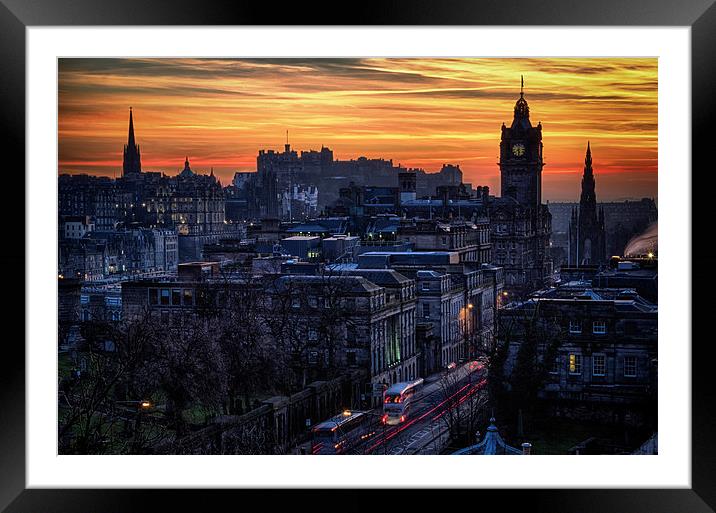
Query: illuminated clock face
{"type": "Point", "coordinates": [518, 150]}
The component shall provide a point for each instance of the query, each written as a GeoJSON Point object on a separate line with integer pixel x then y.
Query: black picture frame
{"type": "Point", "coordinates": [16, 15]}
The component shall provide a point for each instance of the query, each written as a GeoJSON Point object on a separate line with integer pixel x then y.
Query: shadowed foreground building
{"type": "Point", "coordinates": [364, 320]}
{"type": "Point", "coordinates": [603, 349]}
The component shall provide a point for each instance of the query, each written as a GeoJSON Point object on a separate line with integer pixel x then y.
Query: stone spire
{"type": "Point", "coordinates": [587, 230]}
{"type": "Point", "coordinates": [131, 161]}
{"type": "Point", "coordinates": [130, 139]}
{"type": "Point", "coordinates": [589, 197]}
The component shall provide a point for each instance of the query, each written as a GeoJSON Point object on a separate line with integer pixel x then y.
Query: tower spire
{"type": "Point", "coordinates": [130, 138]}
{"type": "Point", "coordinates": [522, 85]}
{"type": "Point", "coordinates": [130, 159]}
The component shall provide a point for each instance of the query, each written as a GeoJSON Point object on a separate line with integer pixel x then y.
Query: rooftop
{"type": "Point", "coordinates": [491, 444]}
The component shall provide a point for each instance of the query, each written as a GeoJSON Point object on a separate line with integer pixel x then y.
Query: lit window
{"type": "Point", "coordinates": [630, 366]}
{"type": "Point", "coordinates": [575, 327]}
{"type": "Point", "coordinates": [599, 365]}
{"type": "Point", "coordinates": [575, 363]}
{"type": "Point", "coordinates": [188, 297]}
{"type": "Point", "coordinates": [599, 327]}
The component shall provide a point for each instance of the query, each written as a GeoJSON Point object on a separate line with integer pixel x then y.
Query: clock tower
{"type": "Point", "coordinates": [521, 157]}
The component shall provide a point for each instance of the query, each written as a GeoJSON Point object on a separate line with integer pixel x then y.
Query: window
{"type": "Point", "coordinates": [575, 363]}
{"type": "Point", "coordinates": [295, 302]}
{"type": "Point", "coordinates": [575, 327]}
{"type": "Point", "coordinates": [153, 296]}
{"type": "Point", "coordinates": [599, 365]}
{"type": "Point", "coordinates": [188, 297]}
{"type": "Point", "coordinates": [426, 285]}
{"type": "Point", "coordinates": [554, 369]}
{"type": "Point", "coordinates": [312, 301]}
{"type": "Point", "coordinates": [599, 327]}
{"type": "Point", "coordinates": [630, 366]}
{"type": "Point", "coordinates": [164, 297]}
{"type": "Point", "coordinates": [312, 334]}
{"type": "Point", "coordinates": [176, 297]}
{"type": "Point", "coordinates": [426, 310]}
{"type": "Point", "coordinates": [444, 241]}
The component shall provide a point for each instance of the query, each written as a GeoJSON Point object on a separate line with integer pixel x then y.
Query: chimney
{"type": "Point", "coordinates": [526, 448]}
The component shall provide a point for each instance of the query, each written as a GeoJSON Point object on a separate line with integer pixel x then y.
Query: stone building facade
{"type": "Point", "coordinates": [606, 349]}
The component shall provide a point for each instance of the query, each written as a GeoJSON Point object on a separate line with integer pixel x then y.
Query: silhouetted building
{"type": "Point", "coordinates": [521, 158]}
{"type": "Point", "coordinates": [131, 162]}
{"type": "Point", "coordinates": [623, 220]}
{"type": "Point", "coordinates": [587, 236]}
{"type": "Point", "coordinates": [521, 225]}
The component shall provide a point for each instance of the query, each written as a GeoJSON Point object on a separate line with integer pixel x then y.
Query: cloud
{"type": "Point", "coordinates": [424, 111]}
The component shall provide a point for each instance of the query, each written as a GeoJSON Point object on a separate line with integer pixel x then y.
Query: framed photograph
{"type": "Point", "coordinates": [358, 255]}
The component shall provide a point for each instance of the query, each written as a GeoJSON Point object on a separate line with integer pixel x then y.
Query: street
{"type": "Point", "coordinates": [425, 430]}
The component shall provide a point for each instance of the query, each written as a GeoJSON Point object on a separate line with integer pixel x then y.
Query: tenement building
{"type": "Point", "coordinates": [470, 239]}
{"type": "Point", "coordinates": [456, 301]}
{"type": "Point", "coordinates": [324, 324]}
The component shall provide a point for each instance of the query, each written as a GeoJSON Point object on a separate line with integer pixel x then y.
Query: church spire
{"type": "Point", "coordinates": [130, 139]}
{"type": "Point", "coordinates": [588, 161]}
{"type": "Point", "coordinates": [131, 162]}
{"type": "Point", "coordinates": [588, 237]}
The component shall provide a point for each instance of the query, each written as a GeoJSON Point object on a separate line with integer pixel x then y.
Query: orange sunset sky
{"type": "Point", "coordinates": [417, 112]}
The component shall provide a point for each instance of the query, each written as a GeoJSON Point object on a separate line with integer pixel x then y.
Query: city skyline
{"type": "Point", "coordinates": [417, 112]}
